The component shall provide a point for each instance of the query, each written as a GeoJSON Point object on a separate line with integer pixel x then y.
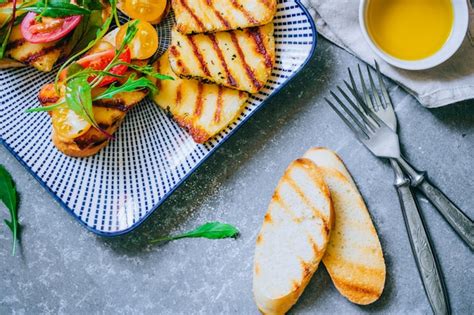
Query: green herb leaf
{"type": "Point", "coordinates": [149, 71]}
{"type": "Point", "coordinates": [44, 108]}
{"type": "Point", "coordinates": [100, 33]}
{"type": "Point", "coordinates": [90, 4]}
{"type": "Point", "coordinates": [8, 196]}
{"type": "Point", "coordinates": [6, 31]}
{"type": "Point", "coordinates": [56, 8]}
{"type": "Point", "coordinates": [210, 230]}
{"type": "Point", "coordinates": [132, 84]}
{"type": "Point", "coordinates": [85, 32]}
{"type": "Point", "coordinates": [79, 99]}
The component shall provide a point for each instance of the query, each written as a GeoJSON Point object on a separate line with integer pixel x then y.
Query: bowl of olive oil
{"type": "Point", "coordinates": [414, 34]}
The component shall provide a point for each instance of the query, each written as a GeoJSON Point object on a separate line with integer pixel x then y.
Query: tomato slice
{"type": "Point", "coordinates": [49, 29]}
{"type": "Point", "coordinates": [100, 60]}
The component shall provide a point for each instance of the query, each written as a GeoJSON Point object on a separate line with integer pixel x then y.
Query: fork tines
{"type": "Point", "coordinates": [360, 110]}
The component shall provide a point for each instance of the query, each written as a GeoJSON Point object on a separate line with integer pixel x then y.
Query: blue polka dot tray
{"type": "Point", "coordinates": [114, 191]}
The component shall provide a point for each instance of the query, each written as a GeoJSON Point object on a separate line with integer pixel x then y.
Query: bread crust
{"type": "Point", "coordinates": [354, 257]}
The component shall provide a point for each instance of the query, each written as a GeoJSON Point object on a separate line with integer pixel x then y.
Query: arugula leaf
{"type": "Point", "coordinates": [148, 70]}
{"type": "Point", "coordinates": [56, 8]}
{"type": "Point", "coordinates": [6, 33]}
{"type": "Point", "coordinates": [8, 196]}
{"type": "Point", "coordinates": [210, 230]}
{"type": "Point", "coordinates": [79, 99]}
{"type": "Point", "coordinates": [100, 33]}
{"type": "Point", "coordinates": [132, 84]}
{"type": "Point", "coordinates": [90, 4]}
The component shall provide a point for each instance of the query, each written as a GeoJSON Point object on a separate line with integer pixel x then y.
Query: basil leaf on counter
{"type": "Point", "coordinates": [210, 230]}
{"type": "Point", "coordinates": [8, 196]}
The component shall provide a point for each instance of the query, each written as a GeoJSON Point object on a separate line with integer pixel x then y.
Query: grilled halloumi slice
{"type": "Point", "coordinates": [241, 59]}
{"type": "Point", "coordinates": [202, 109]}
{"type": "Point", "coordinates": [203, 16]}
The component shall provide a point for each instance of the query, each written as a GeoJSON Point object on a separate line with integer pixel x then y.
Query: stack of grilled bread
{"type": "Point", "coordinates": [316, 213]}
{"type": "Point", "coordinates": [219, 53]}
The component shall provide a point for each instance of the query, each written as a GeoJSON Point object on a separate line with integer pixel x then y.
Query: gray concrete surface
{"type": "Point", "coordinates": [62, 268]}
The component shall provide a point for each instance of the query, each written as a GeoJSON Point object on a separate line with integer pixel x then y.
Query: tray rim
{"type": "Point", "coordinates": [192, 170]}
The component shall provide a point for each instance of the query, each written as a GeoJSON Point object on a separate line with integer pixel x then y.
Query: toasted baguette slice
{"type": "Point", "coordinates": [293, 237]}
{"type": "Point", "coordinates": [354, 257]}
{"type": "Point", "coordinates": [241, 59]}
{"type": "Point", "coordinates": [202, 109]}
{"type": "Point", "coordinates": [203, 16]}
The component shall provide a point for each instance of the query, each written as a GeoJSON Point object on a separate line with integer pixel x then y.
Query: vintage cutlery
{"type": "Point", "coordinates": [381, 103]}
{"type": "Point", "coordinates": [383, 142]}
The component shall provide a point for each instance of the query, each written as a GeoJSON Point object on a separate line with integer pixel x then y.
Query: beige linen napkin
{"type": "Point", "coordinates": [450, 82]}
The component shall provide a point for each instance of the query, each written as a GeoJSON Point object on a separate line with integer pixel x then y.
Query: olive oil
{"type": "Point", "coordinates": [410, 29]}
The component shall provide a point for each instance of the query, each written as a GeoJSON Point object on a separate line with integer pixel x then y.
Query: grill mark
{"type": "Point", "coordinates": [158, 69]}
{"type": "Point", "coordinates": [178, 96]}
{"type": "Point", "coordinates": [248, 71]}
{"type": "Point", "coordinates": [198, 109]}
{"type": "Point", "coordinates": [246, 13]}
{"type": "Point", "coordinates": [113, 103]}
{"type": "Point", "coordinates": [307, 202]}
{"type": "Point", "coordinates": [176, 54]}
{"type": "Point", "coordinates": [48, 100]}
{"type": "Point", "coordinates": [16, 43]}
{"type": "Point", "coordinates": [194, 16]}
{"type": "Point", "coordinates": [217, 114]}
{"type": "Point", "coordinates": [254, 32]}
{"type": "Point", "coordinates": [89, 142]}
{"type": "Point", "coordinates": [199, 56]}
{"type": "Point", "coordinates": [35, 56]}
{"type": "Point", "coordinates": [230, 79]}
{"type": "Point", "coordinates": [218, 14]}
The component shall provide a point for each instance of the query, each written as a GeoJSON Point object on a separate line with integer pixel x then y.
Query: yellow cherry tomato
{"type": "Point", "coordinates": [145, 42]}
{"type": "Point", "coordinates": [147, 10]}
{"type": "Point", "coordinates": [68, 124]}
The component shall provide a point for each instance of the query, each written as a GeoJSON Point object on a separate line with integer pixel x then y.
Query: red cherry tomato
{"type": "Point", "coordinates": [100, 60]}
{"type": "Point", "coordinates": [49, 29]}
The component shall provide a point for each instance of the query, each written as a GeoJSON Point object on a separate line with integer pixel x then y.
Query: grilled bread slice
{"type": "Point", "coordinates": [108, 113]}
{"type": "Point", "coordinates": [293, 237]}
{"type": "Point", "coordinates": [354, 257]}
{"type": "Point", "coordinates": [241, 59]}
{"type": "Point", "coordinates": [203, 16]}
{"type": "Point", "coordinates": [202, 109]}
{"type": "Point", "coordinates": [41, 56]}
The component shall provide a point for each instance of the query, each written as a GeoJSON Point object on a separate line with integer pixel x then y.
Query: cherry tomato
{"type": "Point", "coordinates": [145, 42]}
{"type": "Point", "coordinates": [147, 10]}
{"type": "Point", "coordinates": [100, 60]}
{"type": "Point", "coordinates": [49, 29]}
{"type": "Point", "coordinates": [68, 124]}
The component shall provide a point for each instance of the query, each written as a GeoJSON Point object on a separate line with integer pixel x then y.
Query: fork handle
{"type": "Point", "coordinates": [458, 220]}
{"type": "Point", "coordinates": [420, 243]}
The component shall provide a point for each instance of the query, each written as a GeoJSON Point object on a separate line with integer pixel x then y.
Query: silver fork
{"type": "Point", "coordinates": [382, 104]}
{"type": "Point", "coordinates": [383, 142]}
